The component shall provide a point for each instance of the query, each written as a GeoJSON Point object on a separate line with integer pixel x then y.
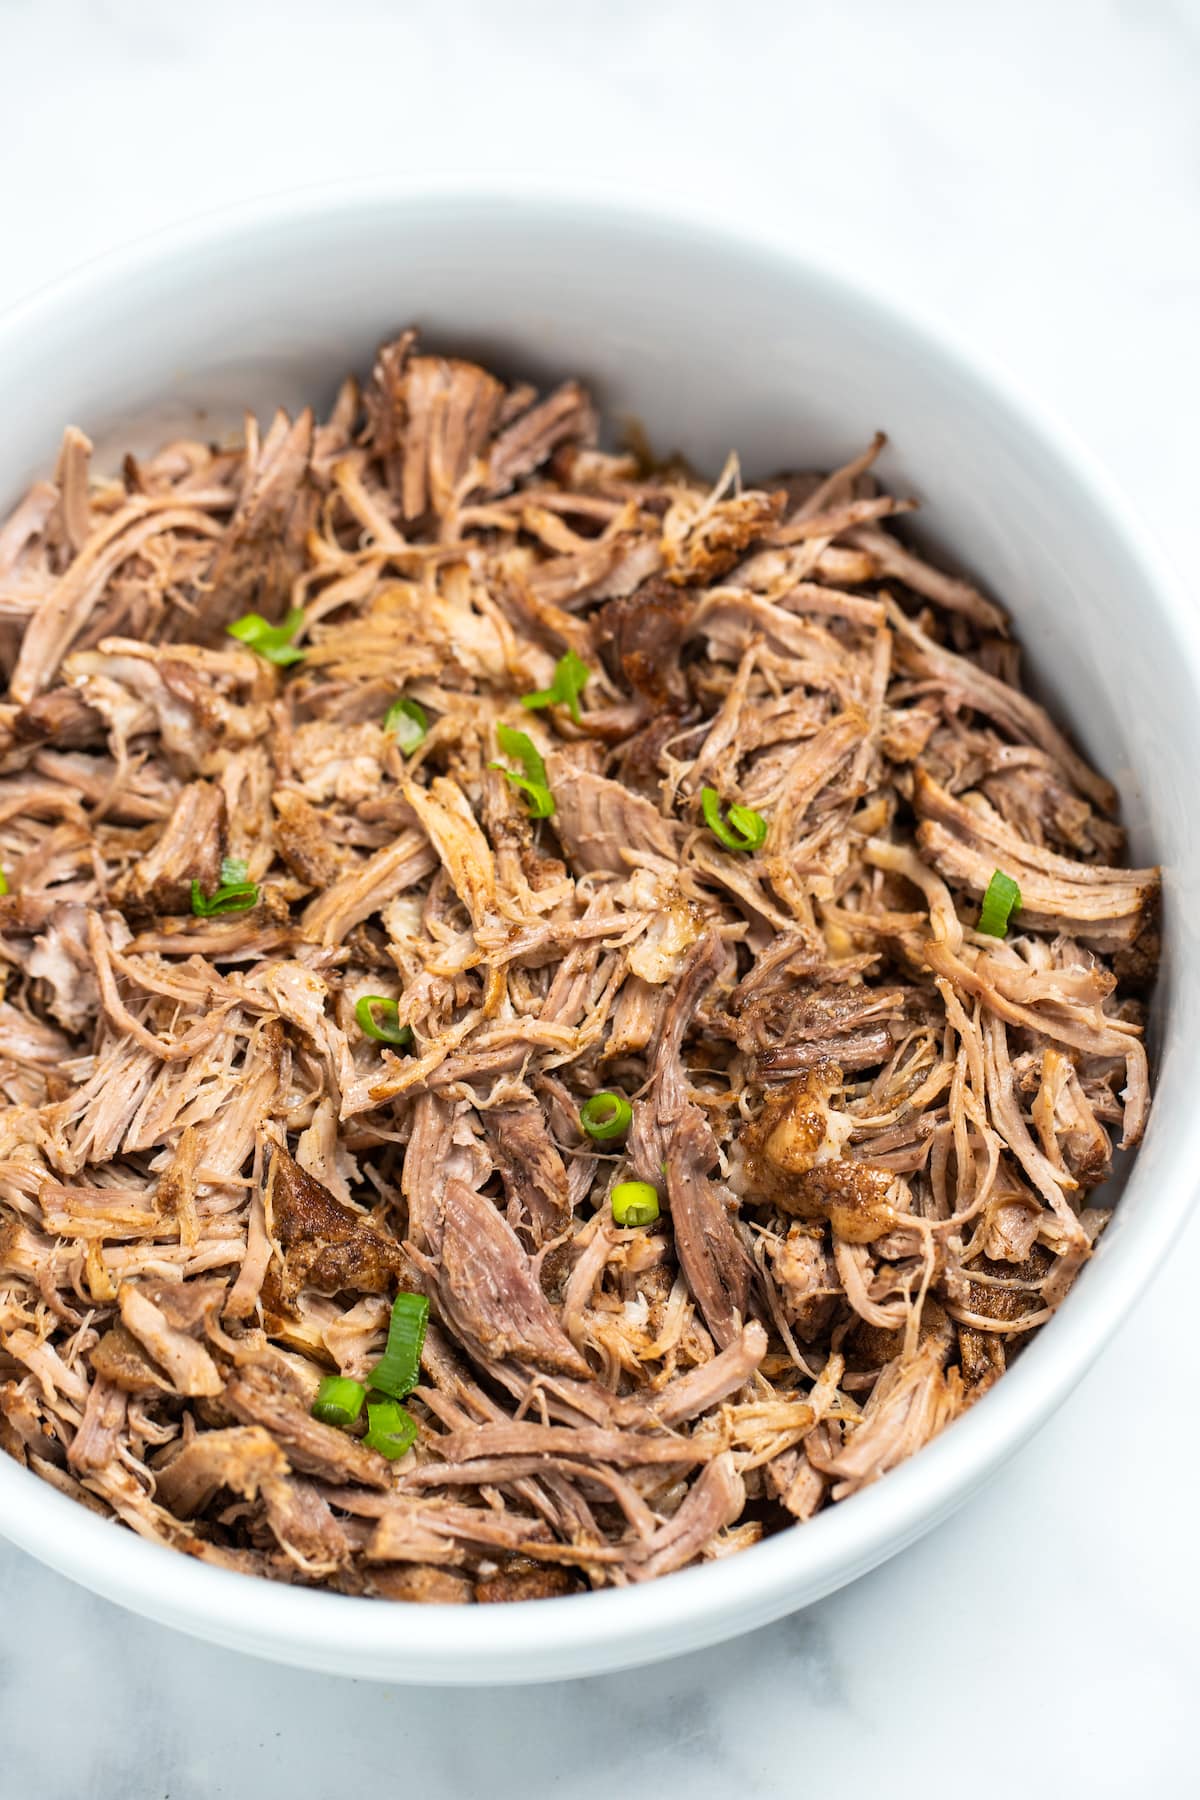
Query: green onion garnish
{"type": "Point", "coordinates": [379, 1018]}
{"type": "Point", "coordinates": [606, 1115]}
{"type": "Point", "coordinates": [3, 882]}
{"type": "Point", "coordinates": [570, 678]}
{"type": "Point", "coordinates": [1001, 900]}
{"type": "Point", "coordinates": [400, 1365]}
{"type": "Point", "coordinates": [533, 783]}
{"type": "Point", "coordinates": [634, 1203]}
{"type": "Point", "coordinates": [233, 871]}
{"type": "Point", "coordinates": [274, 642]}
{"type": "Point", "coordinates": [339, 1400]}
{"type": "Point", "coordinates": [408, 722]}
{"type": "Point", "coordinates": [392, 1431]}
{"type": "Point", "coordinates": [230, 897]}
{"type": "Point", "coordinates": [741, 829]}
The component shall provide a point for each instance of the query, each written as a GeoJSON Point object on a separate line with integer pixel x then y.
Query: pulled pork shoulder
{"type": "Point", "coordinates": [873, 1130]}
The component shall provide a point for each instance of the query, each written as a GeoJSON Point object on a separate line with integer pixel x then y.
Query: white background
{"type": "Point", "coordinates": [1033, 172]}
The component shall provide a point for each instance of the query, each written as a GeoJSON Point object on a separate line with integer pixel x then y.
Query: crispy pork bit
{"type": "Point", "coordinates": [872, 1131]}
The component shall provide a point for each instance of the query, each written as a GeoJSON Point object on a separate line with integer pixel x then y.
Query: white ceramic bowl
{"type": "Point", "coordinates": [712, 340]}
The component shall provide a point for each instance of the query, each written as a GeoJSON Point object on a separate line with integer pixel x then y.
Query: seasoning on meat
{"type": "Point", "coordinates": [445, 859]}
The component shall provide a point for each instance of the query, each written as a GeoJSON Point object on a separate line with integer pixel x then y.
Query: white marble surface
{"type": "Point", "coordinates": [1033, 171]}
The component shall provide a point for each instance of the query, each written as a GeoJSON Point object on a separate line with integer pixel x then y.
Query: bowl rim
{"type": "Point", "coordinates": [618, 1627]}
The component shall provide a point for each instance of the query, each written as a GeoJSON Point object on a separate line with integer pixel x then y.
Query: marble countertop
{"type": "Point", "coordinates": [1033, 172]}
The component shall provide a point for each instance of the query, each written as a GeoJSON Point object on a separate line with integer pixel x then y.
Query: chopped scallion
{"type": "Point", "coordinates": [3, 882]}
{"type": "Point", "coordinates": [606, 1115]}
{"type": "Point", "coordinates": [379, 1018]}
{"type": "Point", "coordinates": [408, 722]}
{"type": "Point", "coordinates": [400, 1365]}
{"type": "Point", "coordinates": [274, 642]}
{"type": "Point", "coordinates": [571, 675]}
{"type": "Point", "coordinates": [339, 1400]}
{"type": "Point", "coordinates": [230, 897]}
{"type": "Point", "coordinates": [391, 1430]}
{"type": "Point", "coordinates": [741, 829]}
{"type": "Point", "coordinates": [634, 1203]}
{"type": "Point", "coordinates": [533, 784]}
{"type": "Point", "coordinates": [1001, 900]}
{"type": "Point", "coordinates": [233, 871]}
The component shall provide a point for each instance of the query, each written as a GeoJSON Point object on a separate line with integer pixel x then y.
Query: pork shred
{"type": "Point", "coordinates": [875, 1132]}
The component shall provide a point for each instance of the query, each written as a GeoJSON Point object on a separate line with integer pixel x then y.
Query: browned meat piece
{"type": "Point", "coordinates": [625, 1449]}
{"type": "Point", "coordinates": [641, 761]}
{"type": "Point", "coordinates": [967, 841]}
{"type": "Point", "coordinates": [912, 1400]}
{"type": "Point", "coordinates": [71, 520]}
{"type": "Point", "coordinates": [797, 1129]}
{"type": "Point", "coordinates": [326, 1246]}
{"type": "Point", "coordinates": [61, 717]}
{"type": "Point", "coordinates": [59, 965]}
{"type": "Point", "coordinates": [711, 1253]}
{"type": "Point", "coordinates": [714, 1502]}
{"type": "Point", "coordinates": [489, 1293]}
{"type": "Point", "coordinates": [797, 1025]}
{"type": "Point", "coordinates": [118, 1358]}
{"type": "Point", "coordinates": [68, 601]}
{"type": "Point", "coordinates": [302, 841]}
{"type": "Point", "coordinates": [420, 1585]}
{"type": "Point", "coordinates": [1034, 800]}
{"type": "Point", "coordinates": [444, 412]}
{"type": "Point", "coordinates": [856, 1050]}
{"type": "Point", "coordinates": [367, 887]}
{"type": "Point", "coordinates": [242, 1458]}
{"type": "Point", "coordinates": [305, 1526]}
{"type": "Point", "coordinates": [535, 1179]}
{"type": "Point", "coordinates": [563, 417]}
{"type": "Point", "coordinates": [643, 634]}
{"type": "Point", "coordinates": [859, 1201]}
{"type": "Point", "coordinates": [807, 1281]}
{"type": "Point", "coordinates": [706, 1386]}
{"type": "Point", "coordinates": [609, 567]}
{"type": "Point", "coordinates": [190, 849]}
{"type": "Point", "coordinates": [891, 557]}
{"type": "Point", "coordinates": [95, 1442]}
{"type": "Point", "coordinates": [440, 1531]}
{"type": "Point", "coordinates": [261, 552]}
{"type": "Point", "coordinates": [657, 1115]}
{"type": "Point", "coordinates": [719, 536]}
{"type": "Point", "coordinates": [601, 824]}
{"type": "Point", "coordinates": [187, 1364]}
{"type": "Point", "coordinates": [532, 1581]}
{"type": "Point", "coordinates": [1014, 711]}
{"type": "Point", "coordinates": [260, 1395]}
{"type": "Point", "coordinates": [981, 1355]}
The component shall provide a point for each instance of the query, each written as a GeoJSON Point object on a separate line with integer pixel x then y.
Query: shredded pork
{"type": "Point", "coordinates": [873, 1130]}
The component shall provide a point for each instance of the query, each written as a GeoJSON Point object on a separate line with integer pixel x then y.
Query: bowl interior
{"type": "Point", "coordinates": [711, 343]}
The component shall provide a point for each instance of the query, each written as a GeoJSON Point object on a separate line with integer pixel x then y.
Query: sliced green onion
{"type": "Point", "coordinates": [533, 784]}
{"type": "Point", "coordinates": [233, 871]}
{"type": "Point", "coordinates": [230, 897]}
{"type": "Point", "coordinates": [408, 722]}
{"type": "Point", "coordinates": [1001, 900]}
{"type": "Point", "coordinates": [379, 1018]}
{"type": "Point", "coordinates": [391, 1430]}
{"type": "Point", "coordinates": [571, 675]}
{"type": "Point", "coordinates": [274, 642]}
{"type": "Point", "coordinates": [339, 1400]}
{"type": "Point", "coordinates": [606, 1115]}
{"type": "Point", "coordinates": [400, 1365]}
{"type": "Point", "coordinates": [634, 1203]}
{"type": "Point", "coordinates": [3, 882]}
{"type": "Point", "coordinates": [741, 829]}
